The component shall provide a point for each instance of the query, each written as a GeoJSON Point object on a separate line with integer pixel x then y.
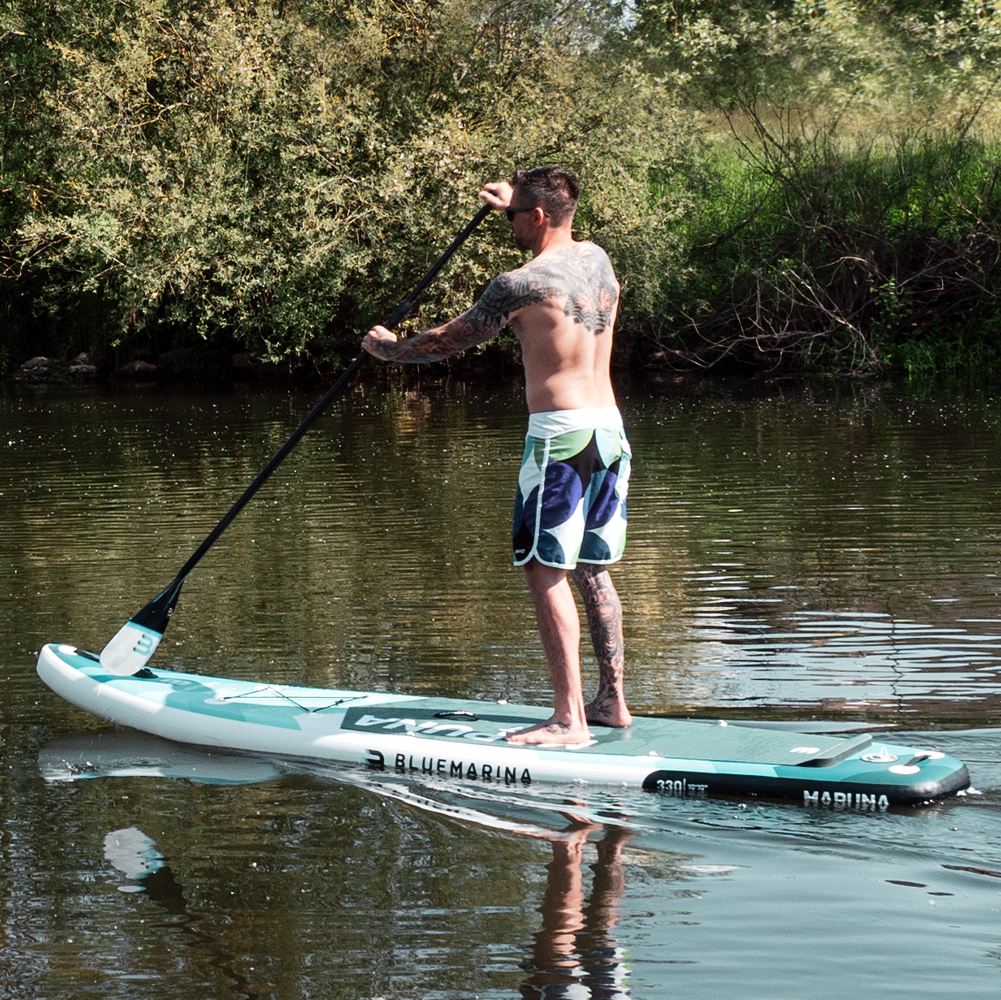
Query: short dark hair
{"type": "Point", "coordinates": [553, 189]}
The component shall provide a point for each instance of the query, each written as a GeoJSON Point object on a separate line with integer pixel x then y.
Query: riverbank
{"type": "Point", "coordinates": [210, 367]}
{"type": "Point", "coordinates": [787, 189]}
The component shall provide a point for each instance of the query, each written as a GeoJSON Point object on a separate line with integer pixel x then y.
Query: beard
{"type": "Point", "coordinates": [521, 243]}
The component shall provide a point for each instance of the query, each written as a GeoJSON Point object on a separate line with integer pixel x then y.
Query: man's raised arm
{"type": "Point", "coordinates": [475, 326]}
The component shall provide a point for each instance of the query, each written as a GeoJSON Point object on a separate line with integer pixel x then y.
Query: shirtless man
{"type": "Point", "coordinates": [570, 510]}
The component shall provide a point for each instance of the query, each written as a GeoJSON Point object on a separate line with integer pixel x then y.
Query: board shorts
{"type": "Point", "coordinates": [571, 501]}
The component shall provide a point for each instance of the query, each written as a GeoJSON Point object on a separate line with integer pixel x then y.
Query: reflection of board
{"type": "Point", "coordinates": [112, 754]}
{"type": "Point", "coordinates": [464, 739]}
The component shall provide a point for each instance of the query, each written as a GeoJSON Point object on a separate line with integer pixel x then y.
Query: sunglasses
{"type": "Point", "coordinates": [512, 212]}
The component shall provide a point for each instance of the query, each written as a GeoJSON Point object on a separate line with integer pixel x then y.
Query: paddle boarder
{"type": "Point", "coordinates": [570, 506]}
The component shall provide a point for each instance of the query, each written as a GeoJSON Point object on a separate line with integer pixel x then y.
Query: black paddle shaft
{"type": "Point", "coordinates": [156, 614]}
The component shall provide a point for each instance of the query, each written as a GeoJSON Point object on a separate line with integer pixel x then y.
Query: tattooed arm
{"type": "Point", "coordinates": [455, 336]}
{"type": "Point", "coordinates": [504, 296]}
{"type": "Point", "coordinates": [577, 283]}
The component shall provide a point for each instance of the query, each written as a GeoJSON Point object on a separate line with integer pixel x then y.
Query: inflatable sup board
{"type": "Point", "coordinates": [463, 740]}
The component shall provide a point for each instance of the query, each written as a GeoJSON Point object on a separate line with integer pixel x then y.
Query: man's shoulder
{"type": "Point", "coordinates": [584, 261]}
{"type": "Point", "coordinates": [514, 290]}
{"type": "Point", "coordinates": [567, 274]}
{"type": "Point", "coordinates": [581, 254]}
{"type": "Point", "coordinates": [593, 254]}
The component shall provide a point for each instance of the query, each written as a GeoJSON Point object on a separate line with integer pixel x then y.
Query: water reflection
{"type": "Point", "coordinates": [851, 662]}
{"type": "Point", "coordinates": [137, 857]}
{"type": "Point", "coordinates": [126, 754]}
{"type": "Point", "coordinates": [576, 954]}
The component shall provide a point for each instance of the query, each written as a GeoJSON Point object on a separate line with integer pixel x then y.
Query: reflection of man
{"type": "Point", "coordinates": [570, 511]}
{"type": "Point", "coordinates": [575, 953]}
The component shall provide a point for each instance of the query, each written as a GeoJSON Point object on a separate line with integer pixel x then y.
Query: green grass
{"type": "Point", "coordinates": [858, 261]}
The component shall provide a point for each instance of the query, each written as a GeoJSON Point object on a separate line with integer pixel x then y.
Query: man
{"type": "Point", "coordinates": [570, 511]}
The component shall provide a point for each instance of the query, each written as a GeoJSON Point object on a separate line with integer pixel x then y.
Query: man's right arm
{"type": "Point", "coordinates": [475, 326]}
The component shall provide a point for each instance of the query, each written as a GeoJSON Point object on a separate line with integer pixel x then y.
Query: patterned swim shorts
{"type": "Point", "coordinates": [571, 501]}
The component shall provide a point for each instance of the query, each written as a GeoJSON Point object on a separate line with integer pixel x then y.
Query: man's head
{"type": "Point", "coordinates": [552, 189]}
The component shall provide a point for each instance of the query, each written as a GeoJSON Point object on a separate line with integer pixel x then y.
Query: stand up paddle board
{"type": "Point", "coordinates": [464, 740]}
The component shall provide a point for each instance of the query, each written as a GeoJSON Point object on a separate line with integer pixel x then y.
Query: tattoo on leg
{"type": "Point", "coordinates": [604, 616]}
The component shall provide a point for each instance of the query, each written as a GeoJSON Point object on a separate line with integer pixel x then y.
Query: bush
{"type": "Point", "coordinates": [798, 184]}
{"type": "Point", "coordinates": [849, 205]}
{"type": "Point", "coordinates": [279, 178]}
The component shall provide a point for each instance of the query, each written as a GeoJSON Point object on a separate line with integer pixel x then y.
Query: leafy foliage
{"type": "Point", "coordinates": [282, 176]}
{"type": "Point", "coordinates": [793, 183]}
{"type": "Point", "coordinates": [850, 203]}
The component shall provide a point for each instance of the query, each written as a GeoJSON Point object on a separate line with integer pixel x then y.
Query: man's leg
{"type": "Point", "coordinates": [559, 626]}
{"type": "Point", "coordinates": [604, 617]}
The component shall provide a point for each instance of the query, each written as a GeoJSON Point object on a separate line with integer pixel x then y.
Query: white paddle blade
{"type": "Point", "coordinates": [130, 649]}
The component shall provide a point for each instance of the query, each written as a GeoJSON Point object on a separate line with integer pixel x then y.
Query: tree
{"type": "Point", "coordinates": [275, 177]}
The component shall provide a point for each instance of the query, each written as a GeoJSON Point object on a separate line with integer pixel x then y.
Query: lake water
{"type": "Point", "coordinates": [826, 550]}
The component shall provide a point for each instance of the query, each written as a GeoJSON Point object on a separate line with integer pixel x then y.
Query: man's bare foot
{"type": "Point", "coordinates": [549, 733]}
{"type": "Point", "coordinates": [608, 711]}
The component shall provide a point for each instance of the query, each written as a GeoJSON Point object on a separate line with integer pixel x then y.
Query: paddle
{"type": "Point", "coordinates": [136, 641]}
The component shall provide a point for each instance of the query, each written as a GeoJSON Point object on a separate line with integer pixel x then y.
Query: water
{"type": "Point", "coordinates": [796, 551]}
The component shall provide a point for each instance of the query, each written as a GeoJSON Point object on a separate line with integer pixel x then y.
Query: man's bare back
{"type": "Point", "coordinates": [561, 306]}
{"type": "Point", "coordinates": [563, 313]}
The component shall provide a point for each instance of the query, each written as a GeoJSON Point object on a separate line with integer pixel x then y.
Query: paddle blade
{"type": "Point", "coordinates": [130, 649]}
{"type": "Point", "coordinates": [136, 641]}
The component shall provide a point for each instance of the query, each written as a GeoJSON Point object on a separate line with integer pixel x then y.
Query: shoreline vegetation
{"type": "Point", "coordinates": [783, 187]}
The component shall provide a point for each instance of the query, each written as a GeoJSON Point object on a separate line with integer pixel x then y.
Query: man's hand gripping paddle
{"type": "Point", "coordinates": [130, 650]}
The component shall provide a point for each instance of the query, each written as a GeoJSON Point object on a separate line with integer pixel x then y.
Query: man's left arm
{"type": "Point", "coordinates": [440, 342]}
{"type": "Point", "coordinates": [503, 297]}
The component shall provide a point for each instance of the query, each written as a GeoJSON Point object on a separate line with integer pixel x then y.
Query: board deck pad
{"type": "Point", "coordinates": [464, 739]}
{"type": "Point", "coordinates": [665, 737]}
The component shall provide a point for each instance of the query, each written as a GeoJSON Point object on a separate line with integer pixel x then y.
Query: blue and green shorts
{"type": "Point", "coordinates": [571, 501]}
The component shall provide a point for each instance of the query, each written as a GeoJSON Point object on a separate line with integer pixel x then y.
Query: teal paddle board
{"type": "Point", "coordinates": [464, 740]}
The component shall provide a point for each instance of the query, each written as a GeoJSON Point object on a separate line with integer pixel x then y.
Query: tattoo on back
{"type": "Point", "coordinates": [581, 278]}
